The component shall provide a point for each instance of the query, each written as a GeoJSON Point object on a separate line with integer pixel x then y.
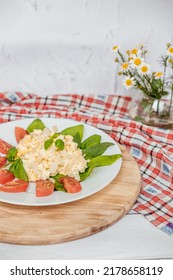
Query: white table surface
{"type": "Point", "coordinates": [133, 237]}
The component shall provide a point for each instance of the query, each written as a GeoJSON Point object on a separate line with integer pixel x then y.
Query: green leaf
{"type": "Point", "coordinates": [55, 135]}
{"type": "Point", "coordinates": [156, 84]}
{"type": "Point", "coordinates": [97, 162]}
{"type": "Point", "coordinates": [96, 150]}
{"type": "Point", "coordinates": [59, 144]}
{"type": "Point", "coordinates": [18, 170]}
{"type": "Point", "coordinates": [77, 139]}
{"type": "Point", "coordinates": [74, 130]}
{"type": "Point", "coordinates": [48, 143]}
{"type": "Point", "coordinates": [36, 124]}
{"type": "Point", "coordinates": [58, 186]}
{"type": "Point", "coordinates": [11, 155]}
{"type": "Point", "coordinates": [90, 141]}
{"type": "Point", "coordinates": [85, 174]}
{"type": "Point", "coordinates": [57, 176]}
{"type": "Point", "coordinates": [103, 160]}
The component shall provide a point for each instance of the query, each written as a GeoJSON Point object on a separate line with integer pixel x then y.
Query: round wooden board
{"type": "Point", "coordinates": [61, 223]}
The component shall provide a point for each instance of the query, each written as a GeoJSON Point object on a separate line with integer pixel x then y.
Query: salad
{"type": "Point", "coordinates": [54, 160]}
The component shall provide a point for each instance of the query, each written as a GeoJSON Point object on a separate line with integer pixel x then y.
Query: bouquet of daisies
{"type": "Point", "coordinates": [138, 73]}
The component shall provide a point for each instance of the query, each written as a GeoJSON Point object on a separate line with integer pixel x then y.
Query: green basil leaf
{"type": "Point", "coordinates": [36, 124]}
{"type": "Point", "coordinates": [59, 144]}
{"type": "Point", "coordinates": [11, 154]}
{"type": "Point", "coordinates": [74, 130]}
{"type": "Point", "coordinates": [96, 150]}
{"type": "Point", "coordinates": [77, 139]}
{"type": "Point", "coordinates": [18, 170]}
{"type": "Point", "coordinates": [85, 174]}
{"type": "Point", "coordinates": [103, 160]}
{"type": "Point", "coordinates": [57, 176]}
{"type": "Point", "coordinates": [48, 143]}
{"type": "Point", "coordinates": [97, 162]}
{"type": "Point", "coordinates": [58, 186]}
{"type": "Point", "coordinates": [90, 141]}
{"type": "Point", "coordinates": [55, 135]}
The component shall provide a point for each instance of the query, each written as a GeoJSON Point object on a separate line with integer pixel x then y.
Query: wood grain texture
{"type": "Point", "coordinates": [62, 223]}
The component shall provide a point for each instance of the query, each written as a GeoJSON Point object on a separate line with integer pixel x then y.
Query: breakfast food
{"type": "Point", "coordinates": [55, 160]}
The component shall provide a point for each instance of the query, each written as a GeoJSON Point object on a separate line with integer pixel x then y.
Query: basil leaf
{"type": "Point", "coordinates": [74, 130]}
{"type": "Point", "coordinates": [77, 138]}
{"type": "Point", "coordinates": [97, 162]}
{"type": "Point", "coordinates": [11, 154]}
{"type": "Point", "coordinates": [90, 141]}
{"type": "Point", "coordinates": [55, 135]}
{"type": "Point", "coordinates": [103, 160]}
{"type": "Point", "coordinates": [48, 143]}
{"type": "Point", "coordinates": [58, 186]}
{"type": "Point", "coordinates": [18, 170]}
{"type": "Point", "coordinates": [96, 150]}
{"type": "Point", "coordinates": [85, 174]}
{"type": "Point", "coordinates": [57, 176]}
{"type": "Point", "coordinates": [59, 144]}
{"type": "Point", "coordinates": [36, 124]}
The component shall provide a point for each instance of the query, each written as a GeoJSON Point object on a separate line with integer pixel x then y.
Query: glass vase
{"type": "Point", "coordinates": [150, 111]}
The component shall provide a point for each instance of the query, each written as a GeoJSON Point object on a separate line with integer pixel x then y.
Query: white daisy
{"type": "Point", "coordinates": [144, 69]}
{"type": "Point", "coordinates": [158, 75]}
{"type": "Point", "coordinates": [135, 53]}
{"type": "Point", "coordinates": [129, 82]}
{"type": "Point", "coordinates": [136, 62]}
{"type": "Point", "coordinates": [115, 48]}
{"type": "Point", "coordinates": [124, 66]}
{"type": "Point", "coordinates": [170, 51]}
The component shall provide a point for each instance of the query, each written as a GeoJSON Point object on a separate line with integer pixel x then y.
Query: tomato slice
{"type": "Point", "coordinates": [70, 184]}
{"type": "Point", "coordinates": [4, 147]}
{"type": "Point", "coordinates": [15, 186]}
{"type": "Point", "coordinates": [2, 161]}
{"type": "Point", "coordinates": [44, 188]}
{"type": "Point", "coordinates": [20, 133]}
{"type": "Point", "coordinates": [6, 176]}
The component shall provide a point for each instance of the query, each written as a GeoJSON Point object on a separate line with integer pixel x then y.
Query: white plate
{"type": "Point", "coordinates": [100, 177]}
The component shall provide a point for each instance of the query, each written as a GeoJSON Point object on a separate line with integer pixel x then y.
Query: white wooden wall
{"type": "Point", "coordinates": [64, 46]}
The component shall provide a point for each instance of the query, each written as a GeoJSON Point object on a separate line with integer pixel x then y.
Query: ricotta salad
{"type": "Point", "coordinates": [54, 160]}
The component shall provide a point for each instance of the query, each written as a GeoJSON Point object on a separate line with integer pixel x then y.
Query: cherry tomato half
{"type": "Point", "coordinates": [2, 161]}
{"type": "Point", "coordinates": [20, 133]}
{"type": "Point", "coordinates": [4, 147]}
{"type": "Point", "coordinates": [70, 184]}
{"type": "Point", "coordinates": [15, 186]}
{"type": "Point", "coordinates": [44, 188]}
{"type": "Point", "coordinates": [6, 176]}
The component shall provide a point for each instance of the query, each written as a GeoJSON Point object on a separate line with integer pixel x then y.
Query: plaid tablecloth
{"type": "Point", "coordinates": [151, 147]}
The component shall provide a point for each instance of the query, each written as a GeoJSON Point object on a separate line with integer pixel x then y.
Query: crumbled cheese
{"type": "Point", "coordinates": [40, 164]}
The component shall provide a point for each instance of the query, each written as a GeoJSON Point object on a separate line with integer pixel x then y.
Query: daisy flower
{"type": "Point", "coordinates": [124, 66]}
{"type": "Point", "coordinates": [170, 51]}
{"type": "Point", "coordinates": [158, 75]}
{"type": "Point", "coordinates": [129, 82]}
{"type": "Point", "coordinates": [135, 52]}
{"type": "Point", "coordinates": [144, 69]}
{"type": "Point", "coordinates": [170, 60]}
{"type": "Point", "coordinates": [115, 48]}
{"type": "Point", "coordinates": [136, 62]}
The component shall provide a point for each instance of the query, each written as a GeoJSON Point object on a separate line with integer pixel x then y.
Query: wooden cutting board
{"type": "Point", "coordinates": [61, 223]}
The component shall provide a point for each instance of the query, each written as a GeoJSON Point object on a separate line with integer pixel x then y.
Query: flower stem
{"type": "Point", "coordinates": [171, 99]}
{"type": "Point", "coordinates": [120, 54]}
{"type": "Point", "coordinates": [170, 104]}
{"type": "Point", "coordinates": [158, 105]}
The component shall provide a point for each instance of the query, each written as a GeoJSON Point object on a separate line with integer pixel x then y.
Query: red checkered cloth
{"type": "Point", "coordinates": [151, 147]}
